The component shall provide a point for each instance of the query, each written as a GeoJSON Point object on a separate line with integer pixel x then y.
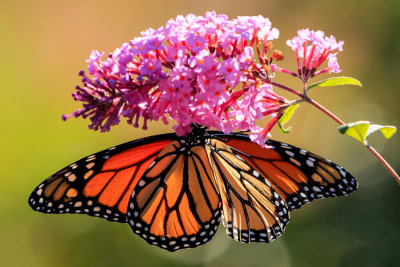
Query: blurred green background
{"type": "Point", "coordinates": [43, 46]}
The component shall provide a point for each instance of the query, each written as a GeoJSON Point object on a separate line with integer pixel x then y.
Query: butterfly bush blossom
{"type": "Point", "coordinates": [205, 70]}
{"type": "Point", "coordinates": [319, 50]}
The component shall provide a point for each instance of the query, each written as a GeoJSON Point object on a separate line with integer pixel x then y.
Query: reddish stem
{"type": "Point", "coordinates": [327, 112]}
{"type": "Point", "coordinates": [370, 148]}
{"type": "Point", "coordinates": [286, 88]}
{"type": "Point", "coordinates": [309, 100]}
{"type": "Point", "coordinates": [381, 159]}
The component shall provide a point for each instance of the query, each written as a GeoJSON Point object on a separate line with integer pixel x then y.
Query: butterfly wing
{"type": "Point", "coordinates": [99, 185]}
{"type": "Point", "coordinates": [252, 209]}
{"type": "Point", "coordinates": [172, 193]}
{"type": "Point", "coordinates": [297, 175]}
{"type": "Point", "coordinates": [176, 204]}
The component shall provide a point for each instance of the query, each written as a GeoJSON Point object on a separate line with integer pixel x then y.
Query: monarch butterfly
{"type": "Point", "coordinates": [174, 191]}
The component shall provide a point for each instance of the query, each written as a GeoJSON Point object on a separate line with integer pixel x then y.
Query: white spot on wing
{"type": "Point", "coordinates": [290, 153]}
{"type": "Point", "coordinates": [316, 189]}
{"type": "Point", "coordinates": [310, 163]}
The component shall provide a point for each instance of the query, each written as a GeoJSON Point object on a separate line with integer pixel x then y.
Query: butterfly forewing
{"type": "Point", "coordinates": [101, 184]}
{"type": "Point", "coordinates": [297, 175]}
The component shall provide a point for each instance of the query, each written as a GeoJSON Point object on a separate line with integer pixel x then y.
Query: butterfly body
{"type": "Point", "coordinates": [174, 191]}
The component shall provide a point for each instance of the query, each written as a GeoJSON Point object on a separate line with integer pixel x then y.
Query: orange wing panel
{"type": "Point", "coordinates": [133, 156]}
{"type": "Point", "coordinates": [254, 149]}
{"type": "Point", "coordinates": [116, 187]}
{"type": "Point", "coordinates": [97, 183]}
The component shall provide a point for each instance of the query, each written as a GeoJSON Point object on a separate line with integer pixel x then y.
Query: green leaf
{"type": "Point", "coordinates": [287, 115]}
{"type": "Point", "coordinates": [360, 130]}
{"type": "Point", "coordinates": [386, 130]}
{"type": "Point", "coordinates": [335, 81]}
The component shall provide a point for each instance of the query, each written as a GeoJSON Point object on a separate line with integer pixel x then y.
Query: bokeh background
{"type": "Point", "coordinates": [44, 44]}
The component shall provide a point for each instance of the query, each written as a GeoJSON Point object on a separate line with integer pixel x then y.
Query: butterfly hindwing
{"type": "Point", "coordinates": [252, 210]}
{"type": "Point", "coordinates": [176, 204]}
{"type": "Point", "coordinates": [99, 185]}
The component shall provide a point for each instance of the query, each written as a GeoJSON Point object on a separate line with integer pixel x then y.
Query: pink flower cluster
{"type": "Point", "coordinates": [316, 53]}
{"type": "Point", "coordinates": [205, 70]}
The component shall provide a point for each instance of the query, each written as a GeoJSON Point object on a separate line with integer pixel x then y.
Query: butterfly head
{"type": "Point", "coordinates": [196, 137]}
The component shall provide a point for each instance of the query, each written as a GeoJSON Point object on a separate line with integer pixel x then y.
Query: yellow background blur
{"type": "Point", "coordinates": [43, 46]}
